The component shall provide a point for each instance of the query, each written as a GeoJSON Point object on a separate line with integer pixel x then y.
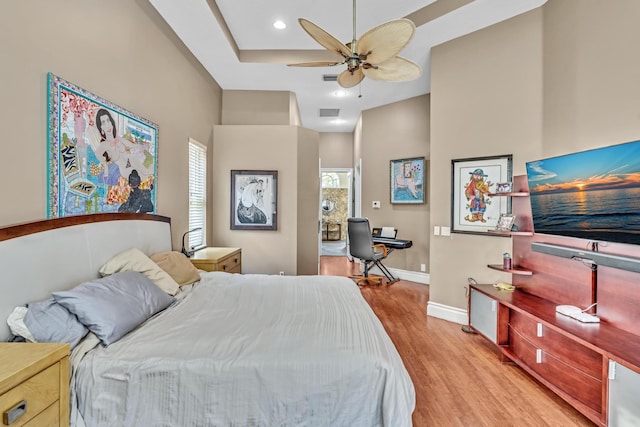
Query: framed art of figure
{"type": "Point", "coordinates": [254, 196]}
{"type": "Point", "coordinates": [101, 157]}
{"type": "Point", "coordinates": [408, 181]}
{"type": "Point", "coordinates": [474, 208]}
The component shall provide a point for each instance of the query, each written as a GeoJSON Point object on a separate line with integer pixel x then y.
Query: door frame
{"type": "Point", "coordinates": [350, 196]}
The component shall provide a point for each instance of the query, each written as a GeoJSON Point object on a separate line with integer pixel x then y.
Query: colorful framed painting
{"type": "Point", "coordinates": [254, 197]}
{"type": "Point", "coordinates": [101, 157]}
{"type": "Point", "coordinates": [474, 207]}
{"type": "Point", "coordinates": [408, 182]}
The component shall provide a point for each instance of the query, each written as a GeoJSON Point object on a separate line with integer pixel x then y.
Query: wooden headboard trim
{"type": "Point", "coordinates": [26, 228]}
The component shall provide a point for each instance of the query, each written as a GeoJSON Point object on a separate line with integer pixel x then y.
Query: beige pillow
{"type": "Point", "coordinates": [177, 266]}
{"type": "Point", "coordinates": [135, 260]}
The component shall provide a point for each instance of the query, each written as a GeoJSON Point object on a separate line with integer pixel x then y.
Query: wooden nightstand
{"type": "Point", "coordinates": [218, 259]}
{"type": "Point", "coordinates": [34, 384]}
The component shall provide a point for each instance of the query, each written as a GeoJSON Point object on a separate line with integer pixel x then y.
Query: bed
{"type": "Point", "coordinates": [228, 350]}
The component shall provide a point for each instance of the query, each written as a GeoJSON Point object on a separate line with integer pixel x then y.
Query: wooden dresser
{"type": "Point", "coordinates": [218, 259]}
{"type": "Point", "coordinates": [34, 384]}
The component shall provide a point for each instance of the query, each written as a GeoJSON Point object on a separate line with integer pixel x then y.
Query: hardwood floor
{"type": "Point", "coordinates": [458, 378]}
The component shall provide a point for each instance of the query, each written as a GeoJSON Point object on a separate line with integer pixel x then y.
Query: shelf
{"type": "Point", "coordinates": [511, 233]}
{"type": "Point", "coordinates": [514, 270]}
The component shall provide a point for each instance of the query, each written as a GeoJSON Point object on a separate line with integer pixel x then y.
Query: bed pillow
{"type": "Point", "coordinates": [114, 305]}
{"type": "Point", "coordinates": [16, 323]}
{"type": "Point", "coordinates": [177, 266]}
{"type": "Point", "coordinates": [135, 260]}
{"type": "Point", "coordinates": [48, 321]}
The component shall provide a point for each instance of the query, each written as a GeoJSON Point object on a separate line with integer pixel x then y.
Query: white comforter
{"type": "Point", "coordinates": [251, 350]}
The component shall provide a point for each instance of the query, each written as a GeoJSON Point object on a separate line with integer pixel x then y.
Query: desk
{"type": "Point", "coordinates": [218, 259]}
{"type": "Point", "coordinates": [332, 231]}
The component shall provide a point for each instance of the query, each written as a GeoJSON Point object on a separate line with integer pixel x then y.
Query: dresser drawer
{"type": "Point", "coordinates": [50, 417]}
{"type": "Point", "coordinates": [218, 259]}
{"type": "Point", "coordinates": [230, 264]}
{"type": "Point", "coordinates": [39, 391]}
{"type": "Point", "coordinates": [572, 381]}
{"type": "Point", "coordinates": [561, 347]}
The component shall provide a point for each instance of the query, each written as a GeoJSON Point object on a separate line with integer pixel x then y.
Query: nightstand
{"type": "Point", "coordinates": [218, 259]}
{"type": "Point", "coordinates": [34, 384]}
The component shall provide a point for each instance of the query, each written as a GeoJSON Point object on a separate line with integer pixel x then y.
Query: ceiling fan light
{"type": "Point", "coordinates": [279, 25]}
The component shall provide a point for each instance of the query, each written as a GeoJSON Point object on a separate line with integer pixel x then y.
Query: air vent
{"type": "Point", "coordinates": [330, 77]}
{"type": "Point", "coordinates": [329, 112]}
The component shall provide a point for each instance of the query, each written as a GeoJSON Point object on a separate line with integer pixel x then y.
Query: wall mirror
{"type": "Point", "coordinates": [328, 205]}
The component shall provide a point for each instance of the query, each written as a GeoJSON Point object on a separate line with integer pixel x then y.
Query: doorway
{"type": "Point", "coordinates": [336, 206]}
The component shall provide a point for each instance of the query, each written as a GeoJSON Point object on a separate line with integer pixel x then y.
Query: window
{"type": "Point", "coordinates": [330, 180]}
{"type": "Point", "coordinates": [197, 194]}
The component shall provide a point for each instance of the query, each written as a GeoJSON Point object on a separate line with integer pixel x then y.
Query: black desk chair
{"type": "Point", "coordinates": [361, 246]}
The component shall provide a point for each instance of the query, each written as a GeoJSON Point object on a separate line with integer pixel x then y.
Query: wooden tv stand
{"type": "Point", "coordinates": [595, 367]}
{"type": "Point", "coordinates": [569, 357]}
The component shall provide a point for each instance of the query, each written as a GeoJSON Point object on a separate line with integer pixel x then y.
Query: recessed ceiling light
{"type": "Point", "coordinates": [340, 93]}
{"type": "Point", "coordinates": [280, 25]}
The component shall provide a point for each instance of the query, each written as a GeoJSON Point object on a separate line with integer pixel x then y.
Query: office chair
{"type": "Point", "coordinates": [361, 246]}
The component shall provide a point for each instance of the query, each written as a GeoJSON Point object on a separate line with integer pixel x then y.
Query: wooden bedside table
{"type": "Point", "coordinates": [218, 259]}
{"type": "Point", "coordinates": [34, 384]}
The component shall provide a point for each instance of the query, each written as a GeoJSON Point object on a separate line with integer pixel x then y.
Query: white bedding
{"type": "Point", "coordinates": [251, 350]}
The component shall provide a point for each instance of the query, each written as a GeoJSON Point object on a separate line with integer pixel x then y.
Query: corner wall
{"type": "Point", "coordinates": [486, 100]}
{"type": "Point", "coordinates": [293, 152]}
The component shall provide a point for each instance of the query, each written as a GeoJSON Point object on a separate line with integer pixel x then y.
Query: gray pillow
{"type": "Point", "coordinates": [114, 305]}
{"type": "Point", "coordinates": [48, 321]}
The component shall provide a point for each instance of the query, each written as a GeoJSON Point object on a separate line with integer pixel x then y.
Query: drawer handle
{"type": "Point", "coordinates": [11, 415]}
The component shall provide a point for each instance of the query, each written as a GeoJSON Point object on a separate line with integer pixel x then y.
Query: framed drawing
{"type": "Point", "coordinates": [101, 157]}
{"type": "Point", "coordinates": [408, 181]}
{"type": "Point", "coordinates": [473, 209]}
{"type": "Point", "coordinates": [254, 196]}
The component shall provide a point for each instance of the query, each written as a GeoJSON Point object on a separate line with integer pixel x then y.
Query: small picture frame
{"type": "Point", "coordinates": [504, 187]}
{"type": "Point", "coordinates": [505, 222]}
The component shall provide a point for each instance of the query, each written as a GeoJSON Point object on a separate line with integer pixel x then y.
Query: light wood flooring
{"type": "Point", "coordinates": [458, 378]}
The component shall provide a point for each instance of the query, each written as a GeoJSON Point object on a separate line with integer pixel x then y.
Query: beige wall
{"type": "Point", "coordinates": [336, 149]}
{"type": "Point", "coordinates": [253, 107]}
{"type": "Point", "coordinates": [591, 77]}
{"type": "Point", "coordinates": [293, 152]}
{"type": "Point", "coordinates": [396, 131]}
{"type": "Point", "coordinates": [486, 100]}
{"type": "Point", "coordinates": [556, 80]}
{"type": "Point", "coordinates": [122, 51]}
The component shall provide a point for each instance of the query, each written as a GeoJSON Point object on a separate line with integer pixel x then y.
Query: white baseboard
{"type": "Point", "coordinates": [412, 276]}
{"type": "Point", "coordinates": [452, 314]}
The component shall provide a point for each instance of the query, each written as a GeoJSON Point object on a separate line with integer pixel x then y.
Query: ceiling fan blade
{"type": "Point", "coordinates": [385, 41]}
{"type": "Point", "coordinates": [315, 64]}
{"type": "Point", "coordinates": [395, 69]}
{"type": "Point", "coordinates": [325, 39]}
{"type": "Point", "coordinates": [347, 79]}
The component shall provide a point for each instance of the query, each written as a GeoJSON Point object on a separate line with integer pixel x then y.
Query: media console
{"type": "Point", "coordinates": [593, 366]}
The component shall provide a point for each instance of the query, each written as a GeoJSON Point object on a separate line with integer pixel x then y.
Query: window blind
{"type": "Point", "coordinates": [197, 193]}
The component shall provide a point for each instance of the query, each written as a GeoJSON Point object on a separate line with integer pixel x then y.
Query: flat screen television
{"type": "Point", "coordinates": [593, 194]}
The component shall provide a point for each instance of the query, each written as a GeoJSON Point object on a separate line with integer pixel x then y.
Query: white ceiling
{"type": "Point", "coordinates": [251, 26]}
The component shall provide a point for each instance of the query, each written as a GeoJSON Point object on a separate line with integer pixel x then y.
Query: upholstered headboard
{"type": "Point", "coordinates": [41, 257]}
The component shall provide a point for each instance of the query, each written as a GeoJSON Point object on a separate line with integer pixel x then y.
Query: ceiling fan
{"type": "Point", "coordinates": [374, 55]}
